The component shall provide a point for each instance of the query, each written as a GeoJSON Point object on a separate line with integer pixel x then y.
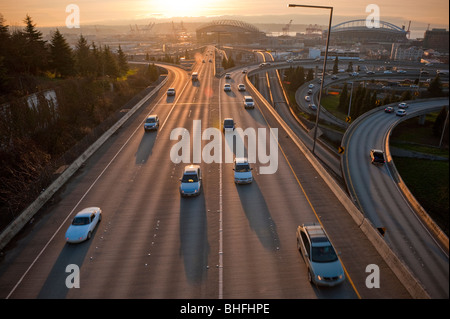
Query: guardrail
{"type": "Point", "coordinates": [15, 226]}
{"type": "Point", "coordinates": [395, 264]}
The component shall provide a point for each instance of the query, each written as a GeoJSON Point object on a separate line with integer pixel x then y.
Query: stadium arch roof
{"type": "Point", "coordinates": [360, 24]}
{"type": "Point", "coordinates": [355, 31]}
{"type": "Point", "coordinates": [227, 26]}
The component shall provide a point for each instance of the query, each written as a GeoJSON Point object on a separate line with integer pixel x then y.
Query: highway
{"type": "Point", "coordinates": [378, 196]}
{"type": "Point", "coordinates": [230, 242]}
{"type": "Point", "coordinates": [377, 193]}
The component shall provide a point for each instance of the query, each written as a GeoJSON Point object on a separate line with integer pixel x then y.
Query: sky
{"type": "Point", "coordinates": [49, 13]}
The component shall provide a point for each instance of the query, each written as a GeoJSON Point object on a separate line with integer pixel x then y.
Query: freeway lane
{"type": "Point", "coordinates": [299, 197]}
{"type": "Point", "coordinates": [382, 202]}
{"type": "Point", "coordinates": [233, 241]}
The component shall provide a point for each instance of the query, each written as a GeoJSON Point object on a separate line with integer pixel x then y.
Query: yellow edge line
{"type": "Point", "coordinates": [311, 205]}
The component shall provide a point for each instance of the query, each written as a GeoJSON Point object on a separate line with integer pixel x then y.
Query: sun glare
{"type": "Point", "coordinates": [183, 8]}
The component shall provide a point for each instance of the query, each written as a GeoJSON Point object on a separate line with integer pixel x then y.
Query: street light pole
{"type": "Point", "coordinates": [324, 64]}
{"type": "Point", "coordinates": [350, 102]}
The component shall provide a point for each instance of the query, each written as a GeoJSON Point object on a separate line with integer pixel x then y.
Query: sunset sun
{"type": "Point", "coordinates": [180, 8]}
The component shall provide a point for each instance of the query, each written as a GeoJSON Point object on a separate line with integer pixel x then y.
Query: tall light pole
{"type": "Point", "coordinates": [350, 102]}
{"type": "Point", "coordinates": [324, 64]}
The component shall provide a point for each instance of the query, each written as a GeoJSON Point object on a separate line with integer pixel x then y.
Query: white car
{"type": "Point", "coordinates": [307, 98]}
{"type": "Point", "coordinates": [311, 86]}
{"type": "Point", "coordinates": [248, 102]}
{"type": "Point", "coordinates": [242, 171]}
{"type": "Point", "coordinates": [241, 87]}
{"type": "Point", "coordinates": [227, 87]}
{"type": "Point", "coordinates": [400, 112]}
{"type": "Point", "coordinates": [83, 225]}
{"type": "Point", "coordinates": [171, 92]}
{"type": "Point", "coordinates": [191, 181]}
{"type": "Point", "coordinates": [403, 105]}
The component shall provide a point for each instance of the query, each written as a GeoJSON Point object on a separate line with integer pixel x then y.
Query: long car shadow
{"type": "Point", "coordinates": [258, 215]}
{"type": "Point", "coordinates": [145, 147]}
{"type": "Point", "coordinates": [55, 285]}
{"type": "Point", "coordinates": [194, 246]}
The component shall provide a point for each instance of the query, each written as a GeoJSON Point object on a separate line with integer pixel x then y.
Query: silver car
{"type": "Point", "coordinates": [324, 266]}
{"type": "Point", "coordinates": [191, 181]}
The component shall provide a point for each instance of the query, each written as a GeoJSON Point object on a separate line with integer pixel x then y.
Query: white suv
{"type": "Point", "coordinates": [242, 171]}
{"type": "Point", "coordinates": [248, 102]}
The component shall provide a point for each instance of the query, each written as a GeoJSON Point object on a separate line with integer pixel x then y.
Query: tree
{"type": "Point", "coordinates": [343, 100]}
{"type": "Point", "coordinates": [435, 89]}
{"type": "Point", "coordinates": [310, 75]}
{"type": "Point", "coordinates": [439, 123]}
{"type": "Point", "coordinates": [4, 45]}
{"type": "Point", "coordinates": [350, 67]}
{"type": "Point", "coordinates": [35, 55]}
{"type": "Point", "coordinates": [109, 63]}
{"type": "Point", "coordinates": [83, 58]}
{"type": "Point", "coordinates": [152, 72]}
{"type": "Point", "coordinates": [122, 61]}
{"type": "Point", "coordinates": [61, 56]}
{"type": "Point", "coordinates": [336, 66]}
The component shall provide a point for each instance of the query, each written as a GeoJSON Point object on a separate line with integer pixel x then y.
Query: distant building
{"type": "Point", "coordinates": [314, 53]}
{"type": "Point", "coordinates": [436, 39]}
{"type": "Point", "coordinates": [405, 53]}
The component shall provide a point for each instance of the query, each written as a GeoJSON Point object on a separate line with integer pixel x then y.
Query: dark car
{"type": "Point", "coordinates": [377, 157]}
{"type": "Point", "coordinates": [228, 125]}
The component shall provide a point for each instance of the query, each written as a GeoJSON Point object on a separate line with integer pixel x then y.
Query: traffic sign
{"type": "Point", "coordinates": [341, 149]}
{"type": "Point", "coordinates": [348, 119]}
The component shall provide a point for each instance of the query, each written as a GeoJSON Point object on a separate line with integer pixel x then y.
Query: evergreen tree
{"type": "Point", "coordinates": [83, 58]}
{"type": "Point", "coordinates": [343, 100]}
{"type": "Point", "coordinates": [310, 75]}
{"type": "Point", "coordinates": [61, 57]}
{"type": "Point", "coordinates": [439, 123]}
{"type": "Point", "coordinates": [35, 54]}
{"type": "Point", "coordinates": [109, 63]}
{"type": "Point", "coordinates": [435, 89]}
{"type": "Point", "coordinates": [152, 72]}
{"type": "Point", "coordinates": [336, 66]}
{"type": "Point", "coordinates": [4, 53]}
{"type": "Point", "coordinates": [122, 61]}
{"type": "Point", "coordinates": [350, 67]}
